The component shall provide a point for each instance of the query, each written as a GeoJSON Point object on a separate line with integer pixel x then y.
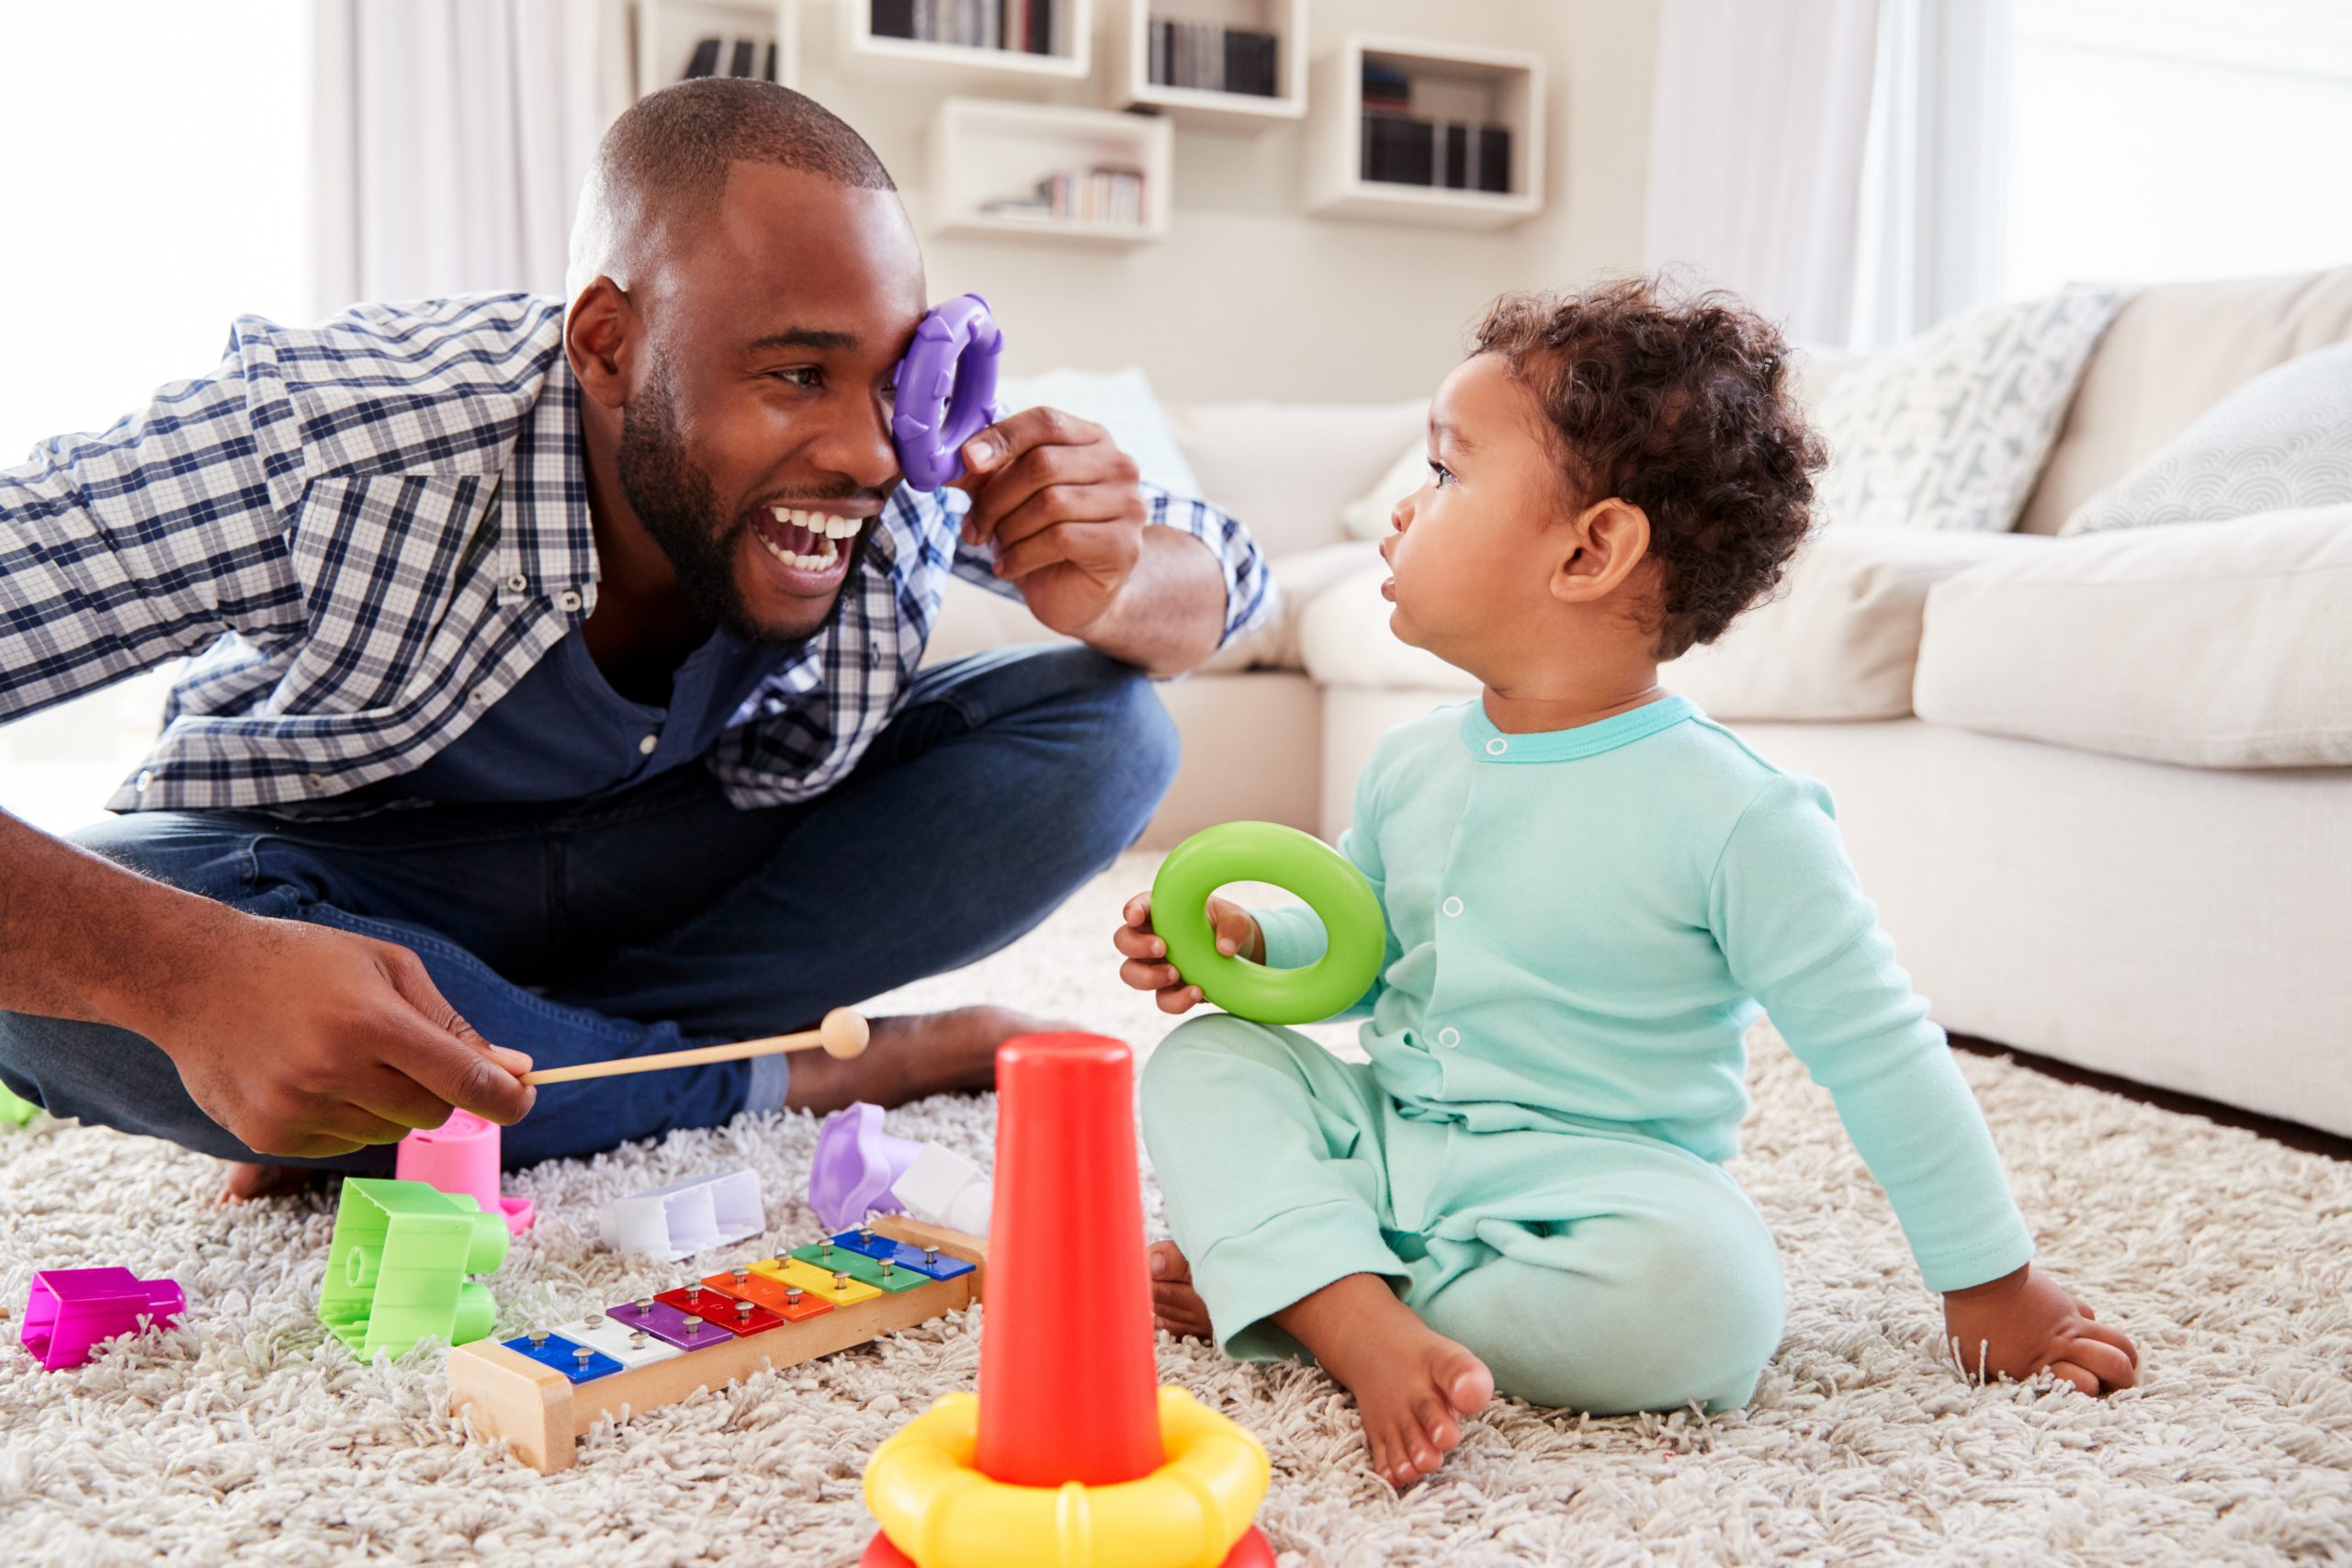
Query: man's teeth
{"type": "Point", "coordinates": [820, 522]}
{"type": "Point", "coordinates": [806, 563]}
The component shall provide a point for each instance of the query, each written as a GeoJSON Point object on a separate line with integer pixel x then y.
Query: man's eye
{"type": "Point", "coordinates": [799, 375]}
{"type": "Point", "coordinates": [1444, 475]}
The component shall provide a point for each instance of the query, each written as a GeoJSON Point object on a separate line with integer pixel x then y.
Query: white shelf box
{"type": "Point", "coordinates": [985, 151]}
{"type": "Point", "coordinates": [980, 68]}
{"type": "Point", "coordinates": [1128, 24]}
{"type": "Point", "coordinates": [1451, 83]}
{"type": "Point", "coordinates": [668, 32]}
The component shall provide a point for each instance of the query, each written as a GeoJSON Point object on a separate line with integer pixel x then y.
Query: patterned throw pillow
{"type": "Point", "coordinates": [2283, 440]}
{"type": "Point", "coordinates": [1950, 430]}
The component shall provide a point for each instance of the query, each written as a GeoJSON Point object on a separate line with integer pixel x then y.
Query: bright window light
{"type": "Point", "coordinates": [2154, 139]}
{"type": "Point", "coordinates": [155, 156]}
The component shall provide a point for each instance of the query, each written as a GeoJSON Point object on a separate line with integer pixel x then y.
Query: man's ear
{"type": "Point", "coordinates": [1604, 545]}
{"type": "Point", "coordinates": [601, 338]}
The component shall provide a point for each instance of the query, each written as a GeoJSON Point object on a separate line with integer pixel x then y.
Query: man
{"type": "Point", "coordinates": [556, 691]}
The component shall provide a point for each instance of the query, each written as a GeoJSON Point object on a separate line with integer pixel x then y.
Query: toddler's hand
{"type": "Point", "coordinates": [2021, 1322]}
{"type": "Point", "coordinates": [1146, 967]}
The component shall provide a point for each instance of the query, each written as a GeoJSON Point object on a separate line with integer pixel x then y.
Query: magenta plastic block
{"type": "Point", "coordinates": [461, 1155]}
{"type": "Point", "coordinates": [856, 1162]}
{"type": "Point", "coordinates": [71, 1310]}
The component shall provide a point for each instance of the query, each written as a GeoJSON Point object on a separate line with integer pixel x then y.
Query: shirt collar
{"type": "Point", "coordinates": [547, 542]}
{"type": "Point", "coordinates": [1492, 745]}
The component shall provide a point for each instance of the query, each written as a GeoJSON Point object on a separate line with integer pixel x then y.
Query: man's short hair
{"type": "Point", "coordinates": [668, 154]}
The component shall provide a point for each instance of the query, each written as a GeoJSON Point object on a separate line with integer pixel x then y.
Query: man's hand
{"type": "Point", "coordinates": [2021, 1322]}
{"type": "Point", "coordinates": [308, 1042]}
{"type": "Point", "coordinates": [1146, 966]}
{"type": "Point", "coordinates": [1059, 501]}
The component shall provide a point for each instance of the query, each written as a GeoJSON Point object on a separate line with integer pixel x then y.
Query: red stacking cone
{"type": "Point", "coordinates": [1068, 1388]}
{"type": "Point", "coordinates": [1067, 1381]}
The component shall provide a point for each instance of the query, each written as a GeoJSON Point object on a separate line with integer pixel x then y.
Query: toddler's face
{"type": "Point", "coordinates": [1470, 557]}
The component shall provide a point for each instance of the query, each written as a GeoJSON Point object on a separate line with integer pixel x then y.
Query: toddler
{"type": "Point", "coordinates": [1590, 888]}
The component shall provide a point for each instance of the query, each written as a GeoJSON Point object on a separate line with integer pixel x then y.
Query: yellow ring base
{"type": "Point", "coordinates": [1189, 1513]}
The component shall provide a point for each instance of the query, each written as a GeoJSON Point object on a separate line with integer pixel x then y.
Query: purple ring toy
{"type": "Point", "coordinates": [946, 390]}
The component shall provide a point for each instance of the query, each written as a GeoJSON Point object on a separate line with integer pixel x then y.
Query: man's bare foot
{"type": "Point", "coordinates": [248, 1181]}
{"type": "Point", "coordinates": [1413, 1385]}
{"type": "Point", "coordinates": [1176, 1307]}
{"type": "Point", "coordinates": [910, 1056]}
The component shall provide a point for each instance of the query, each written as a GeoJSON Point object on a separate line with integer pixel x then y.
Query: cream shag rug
{"type": "Point", "coordinates": [247, 1436]}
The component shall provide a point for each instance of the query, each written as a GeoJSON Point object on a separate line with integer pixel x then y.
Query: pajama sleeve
{"type": "Point", "coordinates": [1295, 938]}
{"type": "Point", "coordinates": [1800, 937]}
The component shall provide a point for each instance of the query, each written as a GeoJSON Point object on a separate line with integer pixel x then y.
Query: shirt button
{"type": "Point", "coordinates": [478, 696]}
{"type": "Point", "coordinates": [316, 781]}
{"type": "Point", "coordinates": [1452, 905]}
{"type": "Point", "coordinates": [143, 781]}
{"type": "Point", "coordinates": [567, 600]}
{"type": "Point", "coordinates": [518, 582]}
{"type": "Point", "coordinates": [649, 745]}
{"type": "Point", "coordinates": [1498, 746]}
{"type": "Point", "coordinates": [1449, 1037]}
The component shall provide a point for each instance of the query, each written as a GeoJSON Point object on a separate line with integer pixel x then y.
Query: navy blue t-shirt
{"type": "Point", "coordinates": [564, 734]}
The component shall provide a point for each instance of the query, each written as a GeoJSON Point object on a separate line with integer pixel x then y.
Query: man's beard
{"type": "Point", "coordinates": [679, 507]}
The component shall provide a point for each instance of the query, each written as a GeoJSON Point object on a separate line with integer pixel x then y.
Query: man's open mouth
{"type": "Point", "coordinates": [809, 541]}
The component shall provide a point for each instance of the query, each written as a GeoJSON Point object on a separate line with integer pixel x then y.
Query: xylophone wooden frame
{"type": "Point", "coordinates": [543, 1414]}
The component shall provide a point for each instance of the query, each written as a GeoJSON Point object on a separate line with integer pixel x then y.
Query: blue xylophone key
{"type": "Point", "coordinates": [578, 1362]}
{"type": "Point", "coordinates": [935, 1265]}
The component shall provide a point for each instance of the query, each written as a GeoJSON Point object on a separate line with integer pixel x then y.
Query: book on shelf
{"type": "Point", "coordinates": [1020, 26]}
{"type": "Point", "coordinates": [732, 57]}
{"type": "Point", "coordinates": [1213, 59]}
{"type": "Point", "coordinates": [1103, 193]}
{"type": "Point", "coordinates": [1402, 149]}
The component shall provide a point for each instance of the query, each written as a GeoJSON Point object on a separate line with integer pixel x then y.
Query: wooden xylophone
{"type": "Point", "coordinates": [544, 1390]}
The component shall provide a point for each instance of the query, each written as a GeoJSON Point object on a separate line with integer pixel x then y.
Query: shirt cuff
{"type": "Point", "coordinates": [1248, 585]}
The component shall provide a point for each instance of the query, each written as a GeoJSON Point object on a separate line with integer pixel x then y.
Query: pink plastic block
{"type": "Point", "coordinates": [461, 1155]}
{"type": "Point", "coordinates": [71, 1310]}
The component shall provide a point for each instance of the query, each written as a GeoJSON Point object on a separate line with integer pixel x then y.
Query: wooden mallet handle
{"type": "Point", "coordinates": [842, 1033]}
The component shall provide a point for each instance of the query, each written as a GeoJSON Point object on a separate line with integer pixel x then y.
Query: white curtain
{"type": "Point", "coordinates": [450, 139]}
{"type": "Point", "coordinates": [1935, 179]}
{"type": "Point", "coordinates": [1756, 135]}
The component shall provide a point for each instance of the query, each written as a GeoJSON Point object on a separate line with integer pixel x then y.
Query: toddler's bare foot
{"type": "Point", "coordinates": [1176, 1307]}
{"type": "Point", "coordinates": [1413, 1385]}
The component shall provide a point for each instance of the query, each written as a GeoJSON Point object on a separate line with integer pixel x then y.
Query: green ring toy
{"type": "Point", "coordinates": [1298, 863]}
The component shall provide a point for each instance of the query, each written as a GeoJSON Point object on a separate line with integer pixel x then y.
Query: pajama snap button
{"type": "Point", "coordinates": [1452, 906]}
{"type": "Point", "coordinates": [1498, 746]}
{"type": "Point", "coordinates": [1449, 1036]}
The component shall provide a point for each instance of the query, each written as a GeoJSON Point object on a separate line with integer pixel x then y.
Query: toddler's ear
{"type": "Point", "coordinates": [1604, 544]}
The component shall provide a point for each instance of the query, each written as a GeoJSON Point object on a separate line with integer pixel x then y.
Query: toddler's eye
{"type": "Point", "coordinates": [1444, 475]}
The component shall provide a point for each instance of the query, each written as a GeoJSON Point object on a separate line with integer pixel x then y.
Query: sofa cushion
{"type": "Point", "coordinates": [2282, 440]}
{"type": "Point", "coordinates": [2174, 350]}
{"type": "Point", "coordinates": [1367, 516]}
{"type": "Point", "coordinates": [1344, 640]}
{"type": "Point", "coordinates": [1122, 402]}
{"type": "Point", "coordinates": [2215, 645]}
{"type": "Point", "coordinates": [1949, 430]}
{"type": "Point", "coordinates": [1287, 469]}
{"type": "Point", "coordinates": [1839, 639]}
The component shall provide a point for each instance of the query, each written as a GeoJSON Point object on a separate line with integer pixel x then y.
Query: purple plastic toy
{"type": "Point", "coordinates": [71, 1310]}
{"type": "Point", "coordinates": [946, 390]}
{"type": "Point", "coordinates": [855, 1165]}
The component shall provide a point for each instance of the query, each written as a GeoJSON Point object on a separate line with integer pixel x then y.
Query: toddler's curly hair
{"type": "Point", "coordinates": [1682, 407]}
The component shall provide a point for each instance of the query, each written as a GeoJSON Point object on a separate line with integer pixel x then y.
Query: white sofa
{"type": "Point", "coordinates": [2005, 720]}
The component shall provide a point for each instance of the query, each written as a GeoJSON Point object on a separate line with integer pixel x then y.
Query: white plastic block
{"type": "Point", "coordinates": [941, 1187]}
{"type": "Point", "coordinates": [686, 1217]}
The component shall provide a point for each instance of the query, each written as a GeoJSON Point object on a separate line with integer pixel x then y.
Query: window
{"type": "Point", "coordinates": [2177, 139]}
{"type": "Point", "coordinates": [153, 156]}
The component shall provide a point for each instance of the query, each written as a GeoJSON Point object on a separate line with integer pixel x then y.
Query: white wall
{"type": "Point", "coordinates": [1249, 297]}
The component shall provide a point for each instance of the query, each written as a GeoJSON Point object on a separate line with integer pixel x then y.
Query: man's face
{"type": "Point", "coordinates": [755, 447]}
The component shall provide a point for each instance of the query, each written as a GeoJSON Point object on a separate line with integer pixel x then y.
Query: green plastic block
{"type": "Point", "coordinates": [857, 1266]}
{"type": "Point", "coordinates": [15, 1112]}
{"type": "Point", "coordinates": [397, 1266]}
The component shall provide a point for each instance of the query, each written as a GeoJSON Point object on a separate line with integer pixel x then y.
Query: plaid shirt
{"type": "Point", "coordinates": [367, 532]}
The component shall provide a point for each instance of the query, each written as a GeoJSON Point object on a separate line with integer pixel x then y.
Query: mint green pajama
{"type": "Point", "coordinates": [1581, 924]}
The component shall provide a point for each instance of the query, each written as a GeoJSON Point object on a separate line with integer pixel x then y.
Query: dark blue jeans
{"type": "Point", "coordinates": [664, 917]}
